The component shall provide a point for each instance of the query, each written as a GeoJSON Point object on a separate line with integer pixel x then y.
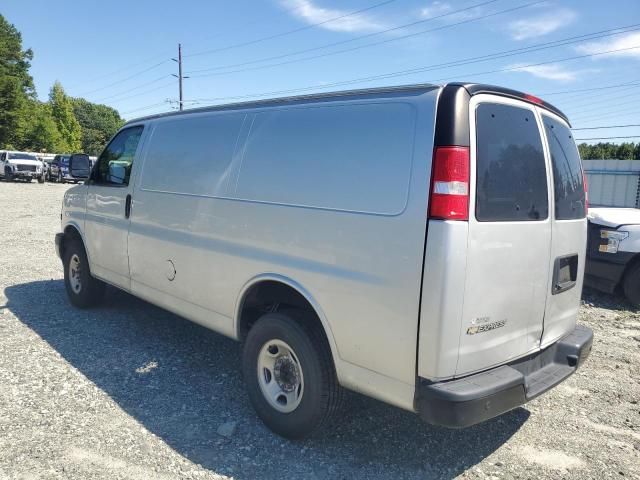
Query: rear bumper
{"type": "Point", "coordinates": [473, 399]}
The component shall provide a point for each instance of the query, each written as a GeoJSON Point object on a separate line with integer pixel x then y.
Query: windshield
{"type": "Point", "coordinates": [22, 156]}
{"type": "Point", "coordinates": [64, 160]}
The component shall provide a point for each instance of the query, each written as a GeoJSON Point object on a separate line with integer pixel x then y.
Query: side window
{"type": "Point", "coordinates": [192, 154]}
{"type": "Point", "coordinates": [511, 174]}
{"type": "Point", "coordinates": [114, 165]}
{"type": "Point", "coordinates": [348, 157]}
{"type": "Point", "coordinates": [568, 185]}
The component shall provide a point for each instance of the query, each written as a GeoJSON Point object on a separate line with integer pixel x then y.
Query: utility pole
{"type": "Point", "coordinates": [179, 76]}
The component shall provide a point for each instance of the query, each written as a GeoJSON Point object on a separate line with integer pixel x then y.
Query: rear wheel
{"type": "Point", "coordinates": [289, 374]}
{"type": "Point", "coordinates": [60, 179]}
{"type": "Point", "coordinates": [631, 285]}
{"type": "Point", "coordinates": [83, 289]}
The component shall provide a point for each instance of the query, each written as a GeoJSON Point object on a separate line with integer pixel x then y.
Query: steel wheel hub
{"type": "Point", "coordinates": [280, 376]}
{"type": "Point", "coordinates": [74, 273]}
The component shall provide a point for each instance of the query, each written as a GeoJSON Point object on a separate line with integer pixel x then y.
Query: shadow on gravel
{"type": "Point", "coordinates": [181, 382]}
{"type": "Point", "coordinates": [615, 301]}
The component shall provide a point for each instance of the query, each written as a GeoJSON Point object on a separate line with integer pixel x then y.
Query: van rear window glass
{"type": "Point", "coordinates": [193, 154]}
{"type": "Point", "coordinates": [568, 184]}
{"type": "Point", "coordinates": [348, 157]}
{"type": "Point", "coordinates": [511, 174]}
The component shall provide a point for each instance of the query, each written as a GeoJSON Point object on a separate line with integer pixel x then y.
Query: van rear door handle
{"type": "Point", "coordinates": [127, 206]}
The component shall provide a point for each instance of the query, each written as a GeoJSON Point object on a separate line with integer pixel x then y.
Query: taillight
{"type": "Point", "coordinates": [450, 184]}
{"type": "Point", "coordinates": [586, 192]}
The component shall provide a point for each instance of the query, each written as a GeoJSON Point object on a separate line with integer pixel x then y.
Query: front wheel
{"type": "Point", "coordinates": [60, 178]}
{"type": "Point", "coordinates": [289, 374]}
{"type": "Point", "coordinates": [40, 179]}
{"type": "Point", "coordinates": [83, 289]}
{"type": "Point", "coordinates": [8, 175]}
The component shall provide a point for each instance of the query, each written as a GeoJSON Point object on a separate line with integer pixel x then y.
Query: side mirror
{"type": "Point", "coordinates": [117, 173]}
{"type": "Point", "coordinates": [79, 166]}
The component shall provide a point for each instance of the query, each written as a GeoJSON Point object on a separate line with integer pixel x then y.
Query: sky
{"type": "Point", "coordinates": [581, 55]}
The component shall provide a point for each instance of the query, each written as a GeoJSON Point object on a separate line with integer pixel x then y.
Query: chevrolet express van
{"type": "Point", "coordinates": [423, 245]}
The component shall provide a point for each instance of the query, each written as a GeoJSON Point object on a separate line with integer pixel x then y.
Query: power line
{"type": "Point", "coordinates": [135, 95]}
{"type": "Point", "coordinates": [125, 79]}
{"type": "Point", "coordinates": [121, 69]}
{"type": "Point", "coordinates": [493, 56]}
{"type": "Point", "coordinates": [354, 39]}
{"type": "Point", "coordinates": [606, 138]}
{"type": "Point", "coordinates": [128, 67]}
{"type": "Point", "coordinates": [144, 108]}
{"type": "Point", "coordinates": [609, 105]}
{"type": "Point", "coordinates": [619, 88]}
{"type": "Point", "coordinates": [618, 113]}
{"type": "Point", "coordinates": [548, 94]}
{"type": "Point", "coordinates": [289, 32]}
{"type": "Point", "coordinates": [608, 126]}
{"type": "Point", "coordinates": [132, 88]}
{"type": "Point", "coordinates": [403, 73]}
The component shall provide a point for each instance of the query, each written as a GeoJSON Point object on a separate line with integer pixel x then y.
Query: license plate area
{"type": "Point", "coordinates": [565, 273]}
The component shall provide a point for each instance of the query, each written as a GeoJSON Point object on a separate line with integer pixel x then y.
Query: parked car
{"type": "Point", "coordinates": [423, 245]}
{"type": "Point", "coordinates": [613, 253]}
{"type": "Point", "coordinates": [59, 169]}
{"type": "Point", "coordinates": [20, 166]}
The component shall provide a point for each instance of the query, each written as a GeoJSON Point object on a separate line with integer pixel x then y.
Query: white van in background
{"type": "Point", "coordinates": [424, 245]}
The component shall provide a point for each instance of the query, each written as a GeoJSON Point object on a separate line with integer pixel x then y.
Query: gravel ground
{"type": "Point", "coordinates": [130, 391]}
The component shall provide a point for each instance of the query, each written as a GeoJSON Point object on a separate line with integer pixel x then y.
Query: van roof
{"type": "Point", "coordinates": [416, 89]}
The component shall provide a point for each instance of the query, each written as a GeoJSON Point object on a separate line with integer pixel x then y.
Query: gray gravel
{"type": "Point", "coordinates": [130, 391]}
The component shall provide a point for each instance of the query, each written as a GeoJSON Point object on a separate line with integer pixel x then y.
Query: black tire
{"type": "Point", "coordinates": [91, 290]}
{"type": "Point", "coordinates": [41, 179]}
{"type": "Point", "coordinates": [321, 394]}
{"type": "Point", "coordinates": [28, 180]}
{"type": "Point", "coordinates": [631, 284]}
{"type": "Point", "coordinates": [60, 178]}
{"type": "Point", "coordinates": [8, 175]}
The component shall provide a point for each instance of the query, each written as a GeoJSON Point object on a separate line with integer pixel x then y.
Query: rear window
{"type": "Point", "coordinates": [511, 174]}
{"type": "Point", "coordinates": [567, 171]}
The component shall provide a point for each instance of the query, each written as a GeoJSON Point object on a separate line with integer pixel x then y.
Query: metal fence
{"type": "Point", "coordinates": [613, 183]}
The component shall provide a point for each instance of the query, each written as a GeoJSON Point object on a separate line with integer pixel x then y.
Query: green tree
{"type": "Point", "coordinates": [16, 85]}
{"type": "Point", "coordinates": [604, 151]}
{"type": "Point", "coordinates": [625, 151]}
{"type": "Point", "coordinates": [585, 151]}
{"type": "Point", "coordinates": [65, 119]}
{"type": "Point", "coordinates": [42, 133]}
{"type": "Point", "coordinates": [99, 123]}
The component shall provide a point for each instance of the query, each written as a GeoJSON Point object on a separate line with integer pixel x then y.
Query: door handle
{"type": "Point", "coordinates": [127, 206]}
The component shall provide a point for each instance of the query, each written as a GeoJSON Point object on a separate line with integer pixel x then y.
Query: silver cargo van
{"type": "Point", "coordinates": [424, 245]}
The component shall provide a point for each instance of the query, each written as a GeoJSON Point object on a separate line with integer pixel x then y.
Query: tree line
{"type": "Point", "coordinates": [62, 124]}
{"type": "Point", "coordinates": [604, 151]}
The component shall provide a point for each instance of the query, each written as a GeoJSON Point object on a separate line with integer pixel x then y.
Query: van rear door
{"type": "Point", "coordinates": [569, 230]}
{"type": "Point", "coordinates": [510, 234]}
